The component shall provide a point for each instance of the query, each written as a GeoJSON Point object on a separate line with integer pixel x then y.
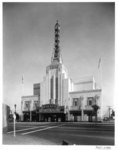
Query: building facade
{"type": "Point", "coordinates": [58, 98]}
{"type": "Point", "coordinates": [29, 106]}
{"type": "Point", "coordinates": [5, 117]}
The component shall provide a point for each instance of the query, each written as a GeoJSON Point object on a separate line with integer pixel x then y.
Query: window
{"type": "Point", "coordinates": [27, 105]}
{"type": "Point", "coordinates": [75, 101]}
{"type": "Point", "coordinates": [35, 104]}
{"type": "Point", "coordinates": [90, 101]}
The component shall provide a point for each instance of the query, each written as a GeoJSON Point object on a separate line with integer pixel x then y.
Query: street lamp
{"type": "Point", "coordinates": [14, 120]}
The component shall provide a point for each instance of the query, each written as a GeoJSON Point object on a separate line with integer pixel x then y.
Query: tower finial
{"type": "Point", "coordinates": [56, 55]}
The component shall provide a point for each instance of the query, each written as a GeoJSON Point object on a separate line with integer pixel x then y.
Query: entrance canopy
{"type": "Point", "coordinates": [51, 108]}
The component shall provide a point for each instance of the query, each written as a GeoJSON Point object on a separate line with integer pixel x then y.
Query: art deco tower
{"type": "Point", "coordinates": [54, 83]}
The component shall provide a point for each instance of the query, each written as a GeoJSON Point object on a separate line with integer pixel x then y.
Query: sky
{"type": "Point", "coordinates": [87, 33]}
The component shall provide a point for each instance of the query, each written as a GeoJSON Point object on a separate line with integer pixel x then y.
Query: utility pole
{"type": "Point", "coordinates": [100, 79]}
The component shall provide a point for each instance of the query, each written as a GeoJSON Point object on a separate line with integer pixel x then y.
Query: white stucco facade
{"type": "Point", "coordinates": [54, 87]}
{"type": "Point", "coordinates": [29, 103]}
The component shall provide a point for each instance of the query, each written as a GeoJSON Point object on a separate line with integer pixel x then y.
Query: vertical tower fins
{"type": "Point", "coordinates": [56, 55]}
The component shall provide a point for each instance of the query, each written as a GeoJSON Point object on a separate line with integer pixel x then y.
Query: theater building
{"type": "Point", "coordinates": [58, 98]}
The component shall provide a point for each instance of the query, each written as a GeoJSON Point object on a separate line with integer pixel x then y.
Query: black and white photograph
{"type": "Point", "coordinates": [58, 73]}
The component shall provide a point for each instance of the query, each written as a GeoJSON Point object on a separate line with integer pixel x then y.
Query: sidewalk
{"type": "Point", "coordinates": [9, 139]}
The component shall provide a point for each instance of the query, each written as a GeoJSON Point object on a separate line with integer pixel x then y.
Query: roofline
{"type": "Point", "coordinates": [86, 91]}
{"type": "Point", "coordinates": [35, 83]}
{"type": "Point", "coordinates": [30, 96]}
{"type": "Point", "coordinates": [84, 82]}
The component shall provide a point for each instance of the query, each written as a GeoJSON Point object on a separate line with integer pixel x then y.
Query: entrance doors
{"type": "Point", "coordinates": [52, 117]}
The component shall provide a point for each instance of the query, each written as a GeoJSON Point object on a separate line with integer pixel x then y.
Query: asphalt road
{"type": "Point", "coordinates": [69, 132]}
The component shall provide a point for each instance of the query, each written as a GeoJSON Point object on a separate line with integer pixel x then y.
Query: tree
{"type": "Point", "coordinates": [95, 106]}
{"type": "Point", "coordinates": [113, 113]}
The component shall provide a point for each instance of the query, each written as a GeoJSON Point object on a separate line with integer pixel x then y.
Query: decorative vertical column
{"type": "Point", "coordinates": [82, 115]}
{"type": "Point", "coordinates": [82, 110]}
{"type": "Point", "coordinates": [30, 115]}
{"type": "Point", "coordinates": [59, 97]}
{"type": "Point", "coordinates": [54, 89]}
{"type": "Point", "coordinates": [31, 107]}
{"type": "Point", "coordinates": [61, 88]}
{"type": "Point", "coordinates": [48, 87]}
{"type": "Point", "coordinates": [22, 109]}
{"type": "Point", "coordinates": [51, 88]}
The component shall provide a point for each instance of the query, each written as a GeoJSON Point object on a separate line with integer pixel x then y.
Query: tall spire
{"type": "Point", "coordinates": [56, 55]}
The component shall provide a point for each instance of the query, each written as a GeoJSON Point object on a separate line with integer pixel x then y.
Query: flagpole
{"type": "Point", "coordinates": [100, 84]}
{"type": "Point", "coordinates": [22, 84]}
{"type": "Point", "coordinates": [14, 125]}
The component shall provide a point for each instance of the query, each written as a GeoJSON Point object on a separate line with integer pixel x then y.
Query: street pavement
{"type": "Point", "coordinates": [60, 133]}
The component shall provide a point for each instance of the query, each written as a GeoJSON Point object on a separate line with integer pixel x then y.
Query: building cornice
{"type": "Point", "coordinates": [84, 82]}
{"type": "Point", "coordinates": [30, 96]}
{"type": "Point", "coordinates": [86, 91]}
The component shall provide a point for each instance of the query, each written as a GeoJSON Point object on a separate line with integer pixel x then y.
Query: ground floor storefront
{"type": "Point", "coordinates": [30, 116]}
{"type": "Point", "coordinates": [54, 113]}
{"type": "Point", "coordinates": [51, 112]}
{"type": "Point", "coordinates": [46, 117]}
{"type": "Point", "coordinates": [83, 115]}
{"type": "Point", "coordinates": [52, 117]}
{"type": "Point", "coordinates": [59, 117]}
{"type": "Point", "coordinates": [48, 113]}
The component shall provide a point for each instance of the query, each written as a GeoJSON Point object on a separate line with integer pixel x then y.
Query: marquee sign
{"type": "Point", "coordinates": [51, 108]}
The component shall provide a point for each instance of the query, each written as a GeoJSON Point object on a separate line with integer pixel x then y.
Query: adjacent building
{"type": "Point", "coordinates": [5, 117]}
{"type": "Point", "coordinates": [58, 98]}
